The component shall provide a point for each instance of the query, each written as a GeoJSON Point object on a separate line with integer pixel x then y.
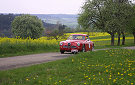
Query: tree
{"type": "Point", "coordinates": [92, 15]}
{"type": "Point", "coordinates": [110, 16]}
{"type": "Point", "coordinates": [27, 26]}
{"type": "Point", "coordinates": [68, 30]}
{"type": "Point", "coordinates": [55, 34]}
{"type": "Point", "coordinates": [118, 11]}
{"type": "Point", "coordinates": [131, 23]}
{"type": "Point", "coordinates": [58, 32]}
{"type": "Point", "coordinates": [5, 24]}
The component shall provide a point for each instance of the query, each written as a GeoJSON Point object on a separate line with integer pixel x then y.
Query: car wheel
{"type": "Point", "coordinates": [62, 52]}
{"type": "Point", "coordinates": [83, 48]}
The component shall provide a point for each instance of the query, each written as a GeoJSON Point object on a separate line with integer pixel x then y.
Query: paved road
{"type": "Point", "coordinates": [27, 60]}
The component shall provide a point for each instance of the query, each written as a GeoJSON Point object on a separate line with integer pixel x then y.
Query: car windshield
{"type": "Point", "coordinates": [76, 37]}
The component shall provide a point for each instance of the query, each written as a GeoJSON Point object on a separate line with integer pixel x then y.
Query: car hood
{"type": "Point", "coordinates": [73, 41]}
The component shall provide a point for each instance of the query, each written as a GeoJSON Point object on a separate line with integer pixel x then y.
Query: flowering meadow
{"type": "Point", "coordinates": [13, 46]}
{"type": "Point", "coordinates": [107, 67]}
{"type": "Point", "coordinates": [20, 46]}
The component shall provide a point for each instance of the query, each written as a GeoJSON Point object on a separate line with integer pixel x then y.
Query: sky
{"type": "Point", "coordinates": [41, 6]}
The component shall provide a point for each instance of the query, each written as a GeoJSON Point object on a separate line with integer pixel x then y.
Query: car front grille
{"type": "Point", "coordinates": [66, 46]}
{"type": "Point", "coordinates": [73, 47]}
{"type": "Point", "coordinates": [69, 46]}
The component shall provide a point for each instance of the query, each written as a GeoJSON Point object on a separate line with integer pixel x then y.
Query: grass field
{"type": "Point", "coordinates": [14, 47]}
{"type": "Point", "coordinates": [109, 67]}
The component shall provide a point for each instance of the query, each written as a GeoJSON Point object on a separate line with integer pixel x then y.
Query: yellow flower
{"type": "Point", "coordinates": [99, 73]}
{"type": "Point", "coordinates": [127, 81]}
{"type": "Point", "coordinates": [72, 60]}
{"type": "Point", "coordinates": [86, 76]}
{"type": "Point", "coordinates": [55, 83]}
{"type": "Point", "coordinates": [106, 70]}
{"type": "Point", "coordinates": [124, 71]}
{"type": "Point", "coordinates": [110, 78]}
{"type": "Point", "coordinates": [132, 83]}
{"type": "Point", "coordinates": [114, 80]}
{"type": "Point", "coordinates": [85, 83]}
{"type": "Point", "coordinates": [27, 79]}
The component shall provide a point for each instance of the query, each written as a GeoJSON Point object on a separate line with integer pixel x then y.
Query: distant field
{"type": "Point", "coordinates": [12, 46]}
{"type": "Point", "coordinates": [69, 20]}
{"type": "Point", "coordinates": [109, 67]}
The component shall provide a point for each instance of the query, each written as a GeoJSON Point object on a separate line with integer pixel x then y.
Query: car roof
{"type": "Point", "coordinates": [80, 34]}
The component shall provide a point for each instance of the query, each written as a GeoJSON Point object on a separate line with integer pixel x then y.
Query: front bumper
{"type": "Point", "coordinates": [70, 48]}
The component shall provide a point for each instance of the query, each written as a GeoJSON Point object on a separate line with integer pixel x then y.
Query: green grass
{"type": "Point", "coordinates": [26, 52]}
{"type": "Point", "coordinates": [106, 44]}
{"type": "Point", "coordinates": [109, 67]}
{"type": "Point", "coordinates": [16, 51]}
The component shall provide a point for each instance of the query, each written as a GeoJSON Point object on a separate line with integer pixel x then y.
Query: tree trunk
{"type": "Point", "coordinates": [112, 39]}
{"type": "Point", "coordinates": [118, 39]}
{"type": "Point", "coordinates": [134, 37]}
{"type": "Point", "coordinates": [123, 40]}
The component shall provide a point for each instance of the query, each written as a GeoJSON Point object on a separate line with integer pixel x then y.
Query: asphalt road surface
{"type": "Point", "coordinates": [27, 60]}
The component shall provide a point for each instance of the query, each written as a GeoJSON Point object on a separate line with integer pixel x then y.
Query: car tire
{"type": "Point", "coordinates": [83, 48]}
{"type": "Point", "coordinates": [62, 52]}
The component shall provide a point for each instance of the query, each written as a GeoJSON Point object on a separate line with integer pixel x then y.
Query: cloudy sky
{"type": "Point", "coordinates": [41, 6]}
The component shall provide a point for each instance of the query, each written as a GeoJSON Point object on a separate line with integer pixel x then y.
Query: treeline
{"type": "Point", "coordinates": [111, 16]}
{"type": "Point", "coordinates": [6, 20]}
{"type": "Point", "coordinates": [5, 24]}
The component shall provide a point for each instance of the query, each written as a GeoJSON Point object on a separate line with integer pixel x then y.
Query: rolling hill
{"type": "Point", "coordinates": [69, 20]}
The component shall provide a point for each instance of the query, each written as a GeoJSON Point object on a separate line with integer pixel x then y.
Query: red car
{"type": "Point", "coordinates": [76, 43]}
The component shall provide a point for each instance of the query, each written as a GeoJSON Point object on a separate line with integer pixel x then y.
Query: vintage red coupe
{"type": "Point", "coordinates": [76, 43]}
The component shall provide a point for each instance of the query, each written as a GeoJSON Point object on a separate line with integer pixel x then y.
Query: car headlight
{"type": "Point", "coordinates": [61, 43]}
{"type": "Point", "coordinates": [78, 44]}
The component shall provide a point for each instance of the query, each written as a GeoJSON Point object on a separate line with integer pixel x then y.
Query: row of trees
{"type": "Point", "coordinates": [5, 24]}
{"type": "Point", "coordinates": [25, 26]}
{"type": "Point", "coordinates": [111, 16]}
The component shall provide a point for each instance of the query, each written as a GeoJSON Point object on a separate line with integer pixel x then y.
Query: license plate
{"type": "Point", "coordinates": [74, 50]}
